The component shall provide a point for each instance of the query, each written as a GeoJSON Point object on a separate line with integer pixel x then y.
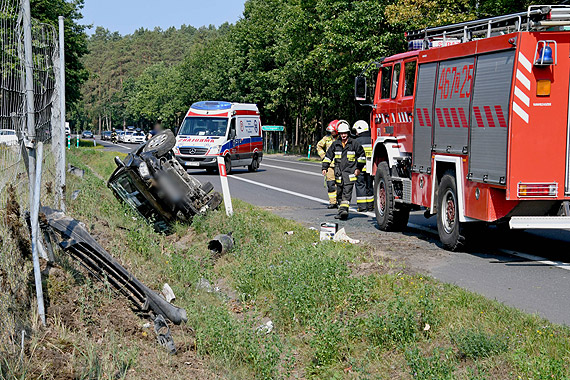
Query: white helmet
{"type": "Point", "coordinates": [343, 126]}
{"type": "Point", "coordinates": [360, 126]}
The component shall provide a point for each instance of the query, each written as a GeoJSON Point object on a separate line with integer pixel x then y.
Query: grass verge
{"type": "Point", "coordinates": [329, 320]}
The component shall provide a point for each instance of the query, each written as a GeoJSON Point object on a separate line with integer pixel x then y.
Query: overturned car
{"type": "Point", "coordinates": [152, 182]}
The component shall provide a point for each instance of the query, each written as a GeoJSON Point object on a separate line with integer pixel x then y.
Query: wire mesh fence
{"type": "Point", "coordinates": [15, 139]}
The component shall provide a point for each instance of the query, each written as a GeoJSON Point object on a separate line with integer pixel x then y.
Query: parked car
{"type": "Point", "coordinates": [106, 135]}
{"type": "Point", "coordinates": [120, 136]}
{"type": "Point", "coordinates": [138, 138]}
{"type": "Point", "coordinates": [8, 137]}
{"type": "Point", "coordinates": [87, 135]}
{"type": "Point", "coordinates": [152, 181]}
{"type": "Point", "coordinates": [128, 137]}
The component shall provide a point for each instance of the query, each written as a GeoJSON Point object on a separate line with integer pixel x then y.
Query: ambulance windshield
{"type": "Point", "coordinates": [204, 126]}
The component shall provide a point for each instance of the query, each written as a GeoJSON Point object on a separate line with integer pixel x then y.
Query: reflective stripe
{"type": "Point", "coordinates": [344, 204]}
{"type": "Point", "coordinates": [363, 169]}
{"type": "Point", "coordinates": [350, 153]}
{"type": "Point", "coordinates": [362, 160]}
{"type": "Point", "coordinates": [337, 154]}
{"type": "Point", "coordinates": [352, 177]}
{"type": "Point", "coordinates": [361, 200]}
{"type": "Point", "coordinates": [332, 195]}
{"type": "Point", "coordinates": [370, 199]}
{"type": "Point", "coordinates": [326, 159]}
{"type": "Point", "coordinates": [338, 180]}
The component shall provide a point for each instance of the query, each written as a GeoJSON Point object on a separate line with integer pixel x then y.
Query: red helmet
{"type": "Point", "coordinates": [332, 127]}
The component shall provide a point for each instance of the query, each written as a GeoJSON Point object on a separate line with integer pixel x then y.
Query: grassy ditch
{"type": "Point", "coordinates": [331, 318]}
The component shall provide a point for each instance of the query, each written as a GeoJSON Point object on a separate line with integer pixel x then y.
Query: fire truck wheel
{"type": "Point", "coordinates": [161, 143]}
{"type": "Point", "coordinates": [388, 216]}
{"type": "Point", "coordinates": [448, 225]}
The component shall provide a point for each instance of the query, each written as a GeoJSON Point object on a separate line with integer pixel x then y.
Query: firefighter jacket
{"type": "Point", "coordinates": [324, 145]}
{"type": "Point", "coordinates": [347, 159]}
{"type": "Point", "coordinates": [366, 141]}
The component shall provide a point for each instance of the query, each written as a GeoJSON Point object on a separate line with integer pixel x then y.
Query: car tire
{"type": "Point", "coordinates": [448, 226]}
{"type": "Point", "coordinates": [389, 216]}
{"type": "Point", "coordinates": [161, 143]}
{"type": "Point", "coordinates": [254, 166]}
{"type": "Point", "coordinates": [228, 162]}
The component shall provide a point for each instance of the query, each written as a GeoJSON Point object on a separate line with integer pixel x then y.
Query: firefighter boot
{"type": "Point", "coordinates": [342, 211]}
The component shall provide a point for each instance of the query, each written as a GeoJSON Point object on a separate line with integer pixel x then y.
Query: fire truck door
{"type": "Point", "coordinates": [489, 117]}
{"type": "Point", "coordinates": [451, 127]}
{"type": "Point", "coordinates": [423, 112]}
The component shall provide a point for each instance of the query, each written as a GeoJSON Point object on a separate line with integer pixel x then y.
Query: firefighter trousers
{"type": "Point", "coordinates": [344, 192]}
{"type": "Point", "coordinates": [364, 192]}
{"type": "Point", "coordinates": [331, 186]}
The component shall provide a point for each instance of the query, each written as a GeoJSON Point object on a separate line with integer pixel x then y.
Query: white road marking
{"type": "Point", "coordinates": [537, 259]}
{"type": "Point", "coordinates": [290, 162]}
{"type": "Point", "coordinates": [309, 197]}
{"type": "Point", "coordinates": [293, 170]}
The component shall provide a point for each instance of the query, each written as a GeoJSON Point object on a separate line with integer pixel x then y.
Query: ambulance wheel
{"type": "Point", "coordinates": [228, 162]}
{"type": "Point", "coordinates": [448, 225]}
{"type": "Point", "coordinates": [254, 164]}
{"type": "Point", "coordinates": [161, 143]}
{"type": "Point", "coordinates": [388, 216]}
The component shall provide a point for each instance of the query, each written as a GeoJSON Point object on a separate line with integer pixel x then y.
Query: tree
{"type": "Point", "coordinates": [75, 41]}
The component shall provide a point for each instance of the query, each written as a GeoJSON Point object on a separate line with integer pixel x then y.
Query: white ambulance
{"type": "Point", "coordinates": [214, 128]}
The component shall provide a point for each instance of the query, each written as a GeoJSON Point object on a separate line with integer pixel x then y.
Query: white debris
{"type": "Point", "coordinates": [266, 327]}
{"type": "Point", "coordinates": [342, 236]}
{"type": "Point", "coordinates": [168, 293]}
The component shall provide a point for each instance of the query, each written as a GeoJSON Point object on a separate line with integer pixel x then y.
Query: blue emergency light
{"type": "Point", "coordinates": [212, 106]}
{"type": "Point", "coordinates": [545, 55]}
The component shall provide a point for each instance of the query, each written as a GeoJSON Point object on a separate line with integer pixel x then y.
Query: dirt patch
{"type": "Point", "coordinates": [15, 225]}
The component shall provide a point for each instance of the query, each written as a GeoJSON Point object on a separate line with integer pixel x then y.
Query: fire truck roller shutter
{"type": "Point", "coordinates": [489, 117]}
{"type": "Point", "coordinates": [423, 118]}
{"type": "Point", "coordinates": [453, 88]}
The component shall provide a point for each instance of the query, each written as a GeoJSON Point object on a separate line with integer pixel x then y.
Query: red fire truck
{"type": "Point", "coordinates": [472, 124]}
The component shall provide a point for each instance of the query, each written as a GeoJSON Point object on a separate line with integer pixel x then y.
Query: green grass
{"type": "Point", "coordinates": [328, 322]}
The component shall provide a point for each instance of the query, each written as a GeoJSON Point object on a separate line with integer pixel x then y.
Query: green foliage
{"type": "Point", "coordinates": [48, 11]}
{"type": "Point", "coordinates": [438, 366]}
{"type": "Point", "coordinates": [475, 343]}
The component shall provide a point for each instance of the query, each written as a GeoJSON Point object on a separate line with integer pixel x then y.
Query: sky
{"type": "Point", "coordinates": [126, 16]}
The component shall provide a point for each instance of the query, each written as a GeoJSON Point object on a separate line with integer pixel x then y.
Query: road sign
{"type": "Point", "coordinates": [273, 128]}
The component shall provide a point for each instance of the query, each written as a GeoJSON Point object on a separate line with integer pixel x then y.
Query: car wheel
{"type": "Point", "coordinates": [448, 225]}
{"type": "Point", "coordinates": [254, 166]}
{"type": "Point", "coordinates": [228, 162]}
{"type": "Point", "coordinates": [161, 143]}
{"type": "Point", "coordinates": [388, 216]}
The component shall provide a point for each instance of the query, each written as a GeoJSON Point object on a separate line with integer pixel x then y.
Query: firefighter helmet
{"type": "Point", "coordinates": [343, 126]}
{"type": "Point", "coordinates": [360, 126]}
{"type": "Point", "coordinates": [331, 128]}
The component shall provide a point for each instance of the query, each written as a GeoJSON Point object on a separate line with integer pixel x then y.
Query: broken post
{"type": "Point", "coordinates": [225, 186]}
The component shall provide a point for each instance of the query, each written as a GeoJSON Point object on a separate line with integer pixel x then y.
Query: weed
{"type": "Point", "coordinates": [476, 343]}
{"type": "Point", "coordinates": [439, 366]}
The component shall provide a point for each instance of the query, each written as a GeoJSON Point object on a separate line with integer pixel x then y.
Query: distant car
{"type": "Point", "coordinates": [138, 138]}
{"type": "Point", "coordinates": [120, 136]}
{"type": "Point", "coordinates": [8, 137]}
{"type": "Point", "coordinates": [152, 182]}
{"type": "Point", "coordinates": [87, 135]}
{"type": "Point", "coordinates": [106, 135]}
{"type": "Point", "coordinates": [127, 137]}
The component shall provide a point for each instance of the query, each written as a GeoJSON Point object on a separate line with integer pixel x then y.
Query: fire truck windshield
{"type": "Point", "coordinates": [204, 126]}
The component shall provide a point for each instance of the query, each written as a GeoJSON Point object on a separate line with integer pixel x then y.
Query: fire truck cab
{"type": "Point", "coordinates": [472, 124]}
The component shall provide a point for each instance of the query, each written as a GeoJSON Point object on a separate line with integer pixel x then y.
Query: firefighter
{"type": "Point", "coordinates": [322, 147]}
{"type": "Point", "coordinates": [364, 188]}
{"type": "Point", "coordinates": [349, 159]}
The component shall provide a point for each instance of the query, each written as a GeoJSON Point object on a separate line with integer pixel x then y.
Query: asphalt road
{"type": "Point", "coordinates": [527, 270]}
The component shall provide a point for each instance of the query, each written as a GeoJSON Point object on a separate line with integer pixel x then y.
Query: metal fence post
{"type": "Point", "coordinates": [34, 175]}
{"type": "Point", "coordinates": [60, 136]}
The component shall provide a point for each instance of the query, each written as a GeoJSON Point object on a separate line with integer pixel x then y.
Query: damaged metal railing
{"type": "Point", "coordinates": [82, 246]}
